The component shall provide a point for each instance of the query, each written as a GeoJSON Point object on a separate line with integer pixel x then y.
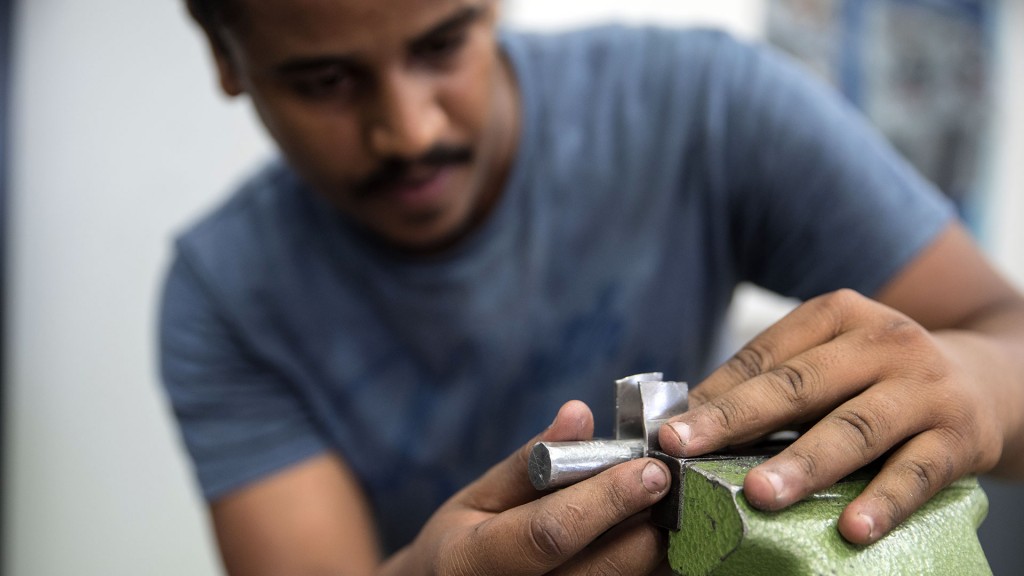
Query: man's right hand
{"type": "Point", "coordinates": [501, 525]}
{"type": "Point", "coordinates": [314, 519]}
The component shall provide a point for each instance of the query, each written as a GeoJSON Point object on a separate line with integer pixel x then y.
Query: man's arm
{"type": "Point", "coordinates": [953, 291]}
{"type": "Point", "coordinates": [310, 519]}
{"type": "Point", "coordinates": [929, 378]}
{"type": "Point", "coordinates": [313, 519]}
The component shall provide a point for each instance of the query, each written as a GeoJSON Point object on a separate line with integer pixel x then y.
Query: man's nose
{"type": "Point", "coordinates": [408, 120]}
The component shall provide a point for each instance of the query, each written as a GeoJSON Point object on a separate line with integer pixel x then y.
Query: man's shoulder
{"type": "Point", "coordinates": [618, 42]}
{"type": "Point", "coordinates": [265, 208]}
{"type": "Point", "coordinates": [615, 33]}
{"type": "Point", "coordinates": [250, 202]}
{"type": "Point", "coordinates": [615, 68]}
{"type": "Point", "coordinates": [623, 92]}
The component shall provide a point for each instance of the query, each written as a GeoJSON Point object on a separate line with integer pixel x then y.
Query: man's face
{"type": "Point", "coordinates": [401, 112]}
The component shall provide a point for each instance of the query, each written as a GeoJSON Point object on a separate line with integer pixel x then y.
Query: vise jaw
{"type": "Point", "coordinates": [719, 533]}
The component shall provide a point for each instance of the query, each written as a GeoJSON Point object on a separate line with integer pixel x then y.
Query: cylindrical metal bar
{"type": "Point", "coordinates": [558, 464]}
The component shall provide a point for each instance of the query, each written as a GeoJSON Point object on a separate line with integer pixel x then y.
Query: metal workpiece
{"type": "Point", "coordinates": [642, 403]}
{"type": "Point", "coordinates": [629, 405]}
{"type": "Point", "coordinates": [558, 464]}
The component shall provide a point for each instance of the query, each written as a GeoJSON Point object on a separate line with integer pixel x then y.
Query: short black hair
{"type": "Point", "coordinates": [211, 14]}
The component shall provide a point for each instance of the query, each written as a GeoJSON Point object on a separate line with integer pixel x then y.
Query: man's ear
{"type": "Point", "coordinates": [227, 70]}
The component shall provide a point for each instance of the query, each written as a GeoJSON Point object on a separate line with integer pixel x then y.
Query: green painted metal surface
{"type": "Point", "coordinates": [721, 534]}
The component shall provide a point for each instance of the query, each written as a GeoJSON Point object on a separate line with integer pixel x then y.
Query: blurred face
{"type": "Point", "coordinates": [401, 112]}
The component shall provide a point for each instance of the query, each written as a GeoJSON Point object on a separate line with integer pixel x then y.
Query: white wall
{"type": "Point", "coordinates": [1006, 217]}
{"type": "Point", "coordinates": [120, 139]}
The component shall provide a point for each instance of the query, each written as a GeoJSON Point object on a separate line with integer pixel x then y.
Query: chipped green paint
{"type": "Point", "coordinates": [721, 534]}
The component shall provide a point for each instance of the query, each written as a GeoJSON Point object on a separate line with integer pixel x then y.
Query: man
{"type": "Point", "coordinates": [468, 229]}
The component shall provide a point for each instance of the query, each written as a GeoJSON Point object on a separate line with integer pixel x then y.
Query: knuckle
{"type": "Point", "coordinates": [726, 413]}
{"type": "Point", "coordinates": [958, 431]}
{"type": "Point", "coordinates": [793, 383]}
{"type": "Point", "coordinates": [838, 306]}
{"type": "Point", "coordinates": [901, 331]}
{"type": "Point", "coordinates": [751, 361]}
{"type": "Point", "coordinates": [864, 426]}
{"type": "Point", "coordinates": [552, 536]}
{"type": "Point", "coordinates": [808, 462]}
{"type": "Point", "coordinates": [844, 298]}
{"type": "Point", "coordinates": [928, 373]}
{"type": "Point", "coordinates": [927, 477]}
{"type": "Point", "coordinates": [894, 508]}
{"type": "Point", "coordinates": [961, 424]}
{"type": "Point", "coordinates": [615, 501]}
{"type": "Point", "coordinates": [960, 436]}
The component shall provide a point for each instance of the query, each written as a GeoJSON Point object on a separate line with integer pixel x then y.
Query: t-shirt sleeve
{"type": "Point", "coordinates": [818, 199]}
{"type": "Point", "coordinates": [240, 420]}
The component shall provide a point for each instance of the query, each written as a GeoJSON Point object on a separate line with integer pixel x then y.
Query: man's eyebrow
{"type": "Point", "coordinates": [456, 21]}
{"type": "Point", "coordinates": [300, 65]}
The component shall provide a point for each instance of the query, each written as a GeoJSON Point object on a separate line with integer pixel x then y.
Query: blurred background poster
{"type": "Point", "coordinates": [919, 69]}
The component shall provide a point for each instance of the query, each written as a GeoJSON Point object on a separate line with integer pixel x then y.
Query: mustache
{"type": "Point", "coordinates": [395, 170]}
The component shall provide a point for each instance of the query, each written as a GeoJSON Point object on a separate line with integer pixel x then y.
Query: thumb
{"type": "Point", "coordinates": [507, 484]}
{"type": "Point", "coordinates": [573, 422]}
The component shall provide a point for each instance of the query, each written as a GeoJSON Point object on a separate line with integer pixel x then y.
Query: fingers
{"type": "Point", "coordinates": [911, 476]}
{"type": "Point", "coordinates": [546, 533]}
{"type": "Point", "coordinates": [894, 384]}
{"type": "Point", "coordinates": [633, 547]}
{"type": "Point", "coordinates": [779, 375]}
{"type": "Point", "coordinates": [862, 343]}
{"type": "Point", "coordinates": [815, 322]}
{"type": "Point", "coordinates": [856, 433]}
{"type": "Point", "coordinates": [859, 432]}
{"type": "Point", "coordinates": [799, 390]}
{"type": "Point", "coordinates": [507, 484]}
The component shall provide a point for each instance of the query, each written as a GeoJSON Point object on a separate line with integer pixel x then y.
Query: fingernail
{"type": "Point", "coordinates": [776, 483]}
{"type": "Point", "coordinates": [654, 478]}
{"type": "Point", "coordinates": [682, 432]}
{"type": "Point", "coordinates": [870, 523]}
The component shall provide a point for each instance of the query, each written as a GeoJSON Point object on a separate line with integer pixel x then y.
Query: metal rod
{"type": "Point", "coordinates": [558, 464]}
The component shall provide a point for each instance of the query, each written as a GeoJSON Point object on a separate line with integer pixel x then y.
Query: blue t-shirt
{"type": "Point", "coordinates": [656, 170]}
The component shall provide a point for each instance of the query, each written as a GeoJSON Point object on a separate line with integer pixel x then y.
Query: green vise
{"type": "Point", "coordinates": [713, 530]}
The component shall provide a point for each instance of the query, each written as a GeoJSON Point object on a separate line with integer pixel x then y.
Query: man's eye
{"type": "Point", "coordinates": [441, 46]}
{"type": "Point", "coordinates": [334, 82]}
